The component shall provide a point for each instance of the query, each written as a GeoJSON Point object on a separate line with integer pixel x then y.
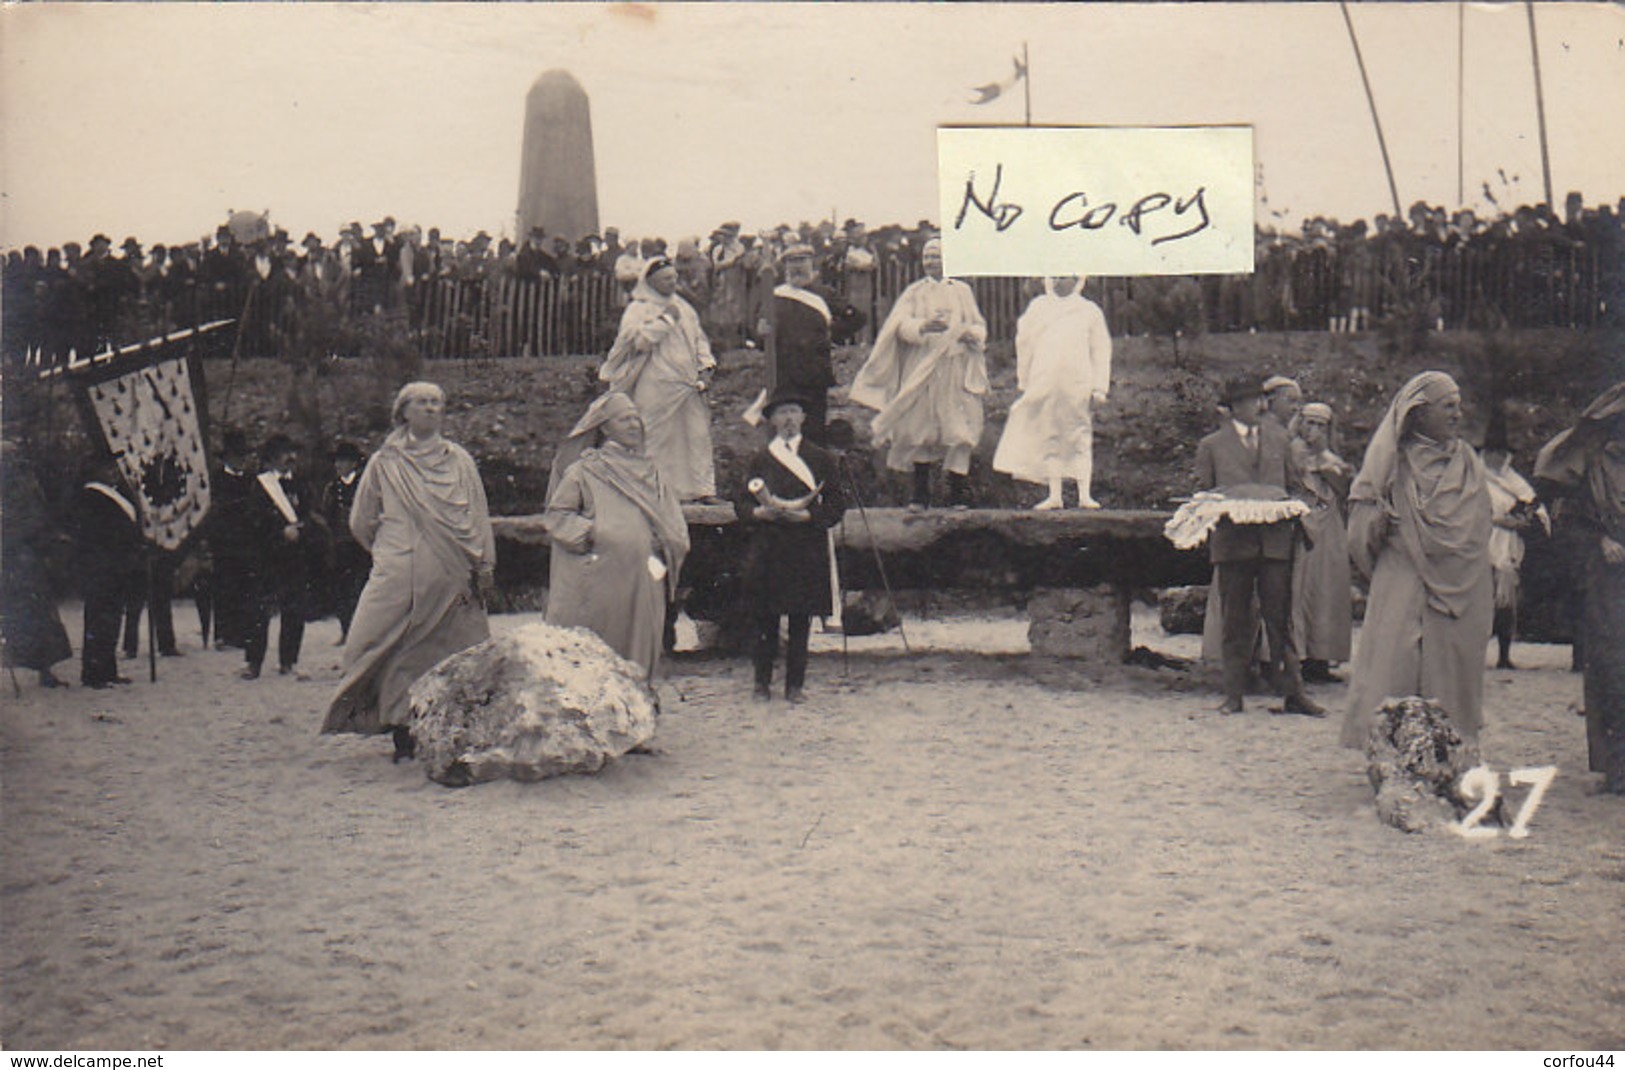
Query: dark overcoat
{"type": "Point", "coordinates": [787, 567]}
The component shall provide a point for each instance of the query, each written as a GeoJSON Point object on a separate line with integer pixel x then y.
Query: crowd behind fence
{"type": "Point", "coordinates": [467, 299]}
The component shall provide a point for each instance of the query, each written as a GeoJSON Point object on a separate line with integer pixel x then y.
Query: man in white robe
{"type": "Point", "coordinates": [926, 377]}
{"type": "Point", "coordinates": [1064, 370]}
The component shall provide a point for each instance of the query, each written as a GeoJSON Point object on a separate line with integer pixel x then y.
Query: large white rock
{"type": "Point", "coordinates": [531, 704]}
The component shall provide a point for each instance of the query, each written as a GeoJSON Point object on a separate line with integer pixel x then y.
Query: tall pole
{"type": "Point", "coordinates": [1027, 82]}
{"type": "Point", "coordinates": [1461, 99]}
{"type": "Point", "coordinates": [1540, 107]}
{"type": "Point", "coordinates": [1365, 80]}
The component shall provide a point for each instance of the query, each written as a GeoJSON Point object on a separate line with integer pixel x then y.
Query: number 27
{"type": "Point", "coordinates": [1485, 783]}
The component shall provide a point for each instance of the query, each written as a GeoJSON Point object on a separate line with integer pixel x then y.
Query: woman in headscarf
{"type": "Point", "coordinates": [1064, 370]}
{"type": "Point", "coordinates": [1419, 529]}
{"type": "Point", "coordinates": [662, 361]}
{"type": "Point", "coordinates": [1322, 609]}
{"type": "Point", "coordinates": [420, 511]}
{"type": "Point", "coordinates": [1587, 463]}
{"type": "Point", "coordinates": [619, 537]}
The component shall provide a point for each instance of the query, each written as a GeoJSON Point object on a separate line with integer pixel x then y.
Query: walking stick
{"type": "Point", "coordinates": [236, 351]}
{"type": "Point", "coordinates": [880, 565]}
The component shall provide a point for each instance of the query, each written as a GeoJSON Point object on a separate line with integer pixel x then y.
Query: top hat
{"type": "Point", "coordinates": [1242, 387]}
{"type": "Point", "coordinates": [234, 443]}
{"type": "Point", "coordinates": [784, 395]}
{"type": "Point", "coordinates": [346, 451]}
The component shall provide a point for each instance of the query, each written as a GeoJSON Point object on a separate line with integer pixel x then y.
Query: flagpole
{"type": "Point", "coordinates": [1461, 99]}
{"type": "Point", "coordinates": [1540, 106]}
{"type": "Point", "coordinates": [1027, 80]}
{"type": "Point", "coordinates": [1371, 101]}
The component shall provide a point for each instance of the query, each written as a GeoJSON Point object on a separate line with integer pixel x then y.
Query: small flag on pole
{"type": "Point", "coordinates": [986, 94]}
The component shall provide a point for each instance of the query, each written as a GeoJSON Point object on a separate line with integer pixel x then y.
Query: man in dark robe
{"type": "Point", "coordinates": [107, 534]}
{"type": "Point", "coordinates": [792, 495]}
{"type": "Point", "coordinates": [234, 564]}
{"type": "Point", "coordinates": [806, 316]}
{"type": "Point", "coordinates": [278, 514]}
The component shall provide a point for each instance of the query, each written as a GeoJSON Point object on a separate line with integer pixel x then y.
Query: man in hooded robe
{"type": "Point", "coordinates": [421, 513]}
{"type": "Point", "coordinates": [1419, 529]}
{"type": "Point", "coordinates": [662, 361]}
{"type": "Point", "coordinates": [926, 377]}
{"type": "Point", "coordinates": [619, 537]}
{"type": "Point", "coordinates": [1586, 464]}
{"type": "Point", "coordinates": [1064, 370]}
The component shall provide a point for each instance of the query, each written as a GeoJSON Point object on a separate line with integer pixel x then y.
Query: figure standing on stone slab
{"type": "Point", "coordinates": [1249, 457]}
{"type": "Point", "coordinates": [1587, 465]}
{"type": "Point", "coordinates": [1064, 370]}
{"type": "Point", "coordinates": [806, 316]}
{"type": "Point", "coordinates": [791, 496]}
{"type": "Point", "coordinates": [619, 537]}
{"type": "Point", "coordinates": [1419, 531]}
{"type": "Point", "coordinates": [420, 511]}
{"type": "Point", "coordinates": [662, 360]}
{"type": "Point", "coordinates": [926, 376]}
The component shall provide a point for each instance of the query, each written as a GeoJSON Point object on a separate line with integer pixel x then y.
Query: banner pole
{"type": "Point", "coordinates": [152, 623]}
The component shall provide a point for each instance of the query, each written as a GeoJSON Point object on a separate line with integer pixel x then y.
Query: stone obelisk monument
{"type": "Point", "coordinates": [558, 183]}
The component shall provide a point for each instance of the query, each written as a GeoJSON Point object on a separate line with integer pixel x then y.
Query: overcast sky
{"type": "Point", "coordinates": [156, 119]}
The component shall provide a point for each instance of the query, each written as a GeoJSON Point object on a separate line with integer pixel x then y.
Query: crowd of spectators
{"type": "Point", "coordinates": [545, 295]}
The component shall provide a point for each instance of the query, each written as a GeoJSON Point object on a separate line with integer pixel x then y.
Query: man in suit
{"type": "Point", "coordinates": [107, 533]}
{"type": "Point", "coordinates": [792, 495]}
{"type": "Point", "coordinates": [806, 316]}
{"type": "Point", "coordinates": [278, 514]}
{"type": "Point", "coordinates": [351, 561]}
{"type": "Point", "coordinates": [1251, 458]}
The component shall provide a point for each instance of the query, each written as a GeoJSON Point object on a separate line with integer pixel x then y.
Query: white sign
{"type": "Point", "coordinates": [1096, 200]}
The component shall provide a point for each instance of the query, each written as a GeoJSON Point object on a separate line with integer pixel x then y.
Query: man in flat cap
{"type": "Point", "coordinates": [1248, 457]}
{"type": "Point", "coordinates": [1283, 398]}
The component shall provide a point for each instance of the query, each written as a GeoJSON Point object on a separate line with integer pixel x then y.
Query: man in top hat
{"type": "Point", "coordinates": [351, 561]}
{"type": "Point", "coordinates": [805, 317]}
{"type": "Point", "coordinates": [1250, 457]}
{"type": "Point", "coordinates": [791, 496]}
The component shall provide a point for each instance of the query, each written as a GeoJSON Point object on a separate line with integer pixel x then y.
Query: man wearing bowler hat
{"type": "Point", "coordinates": [791, 497]}
{"type": "Point", "coordinates": [1251, 458]}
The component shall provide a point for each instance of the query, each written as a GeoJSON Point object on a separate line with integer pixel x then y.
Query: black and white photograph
{"type": "Point", "coordinates": [524, 531]}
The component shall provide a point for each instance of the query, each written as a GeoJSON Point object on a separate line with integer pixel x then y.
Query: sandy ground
{"type": "Point", "coordinates": [947, 850]}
